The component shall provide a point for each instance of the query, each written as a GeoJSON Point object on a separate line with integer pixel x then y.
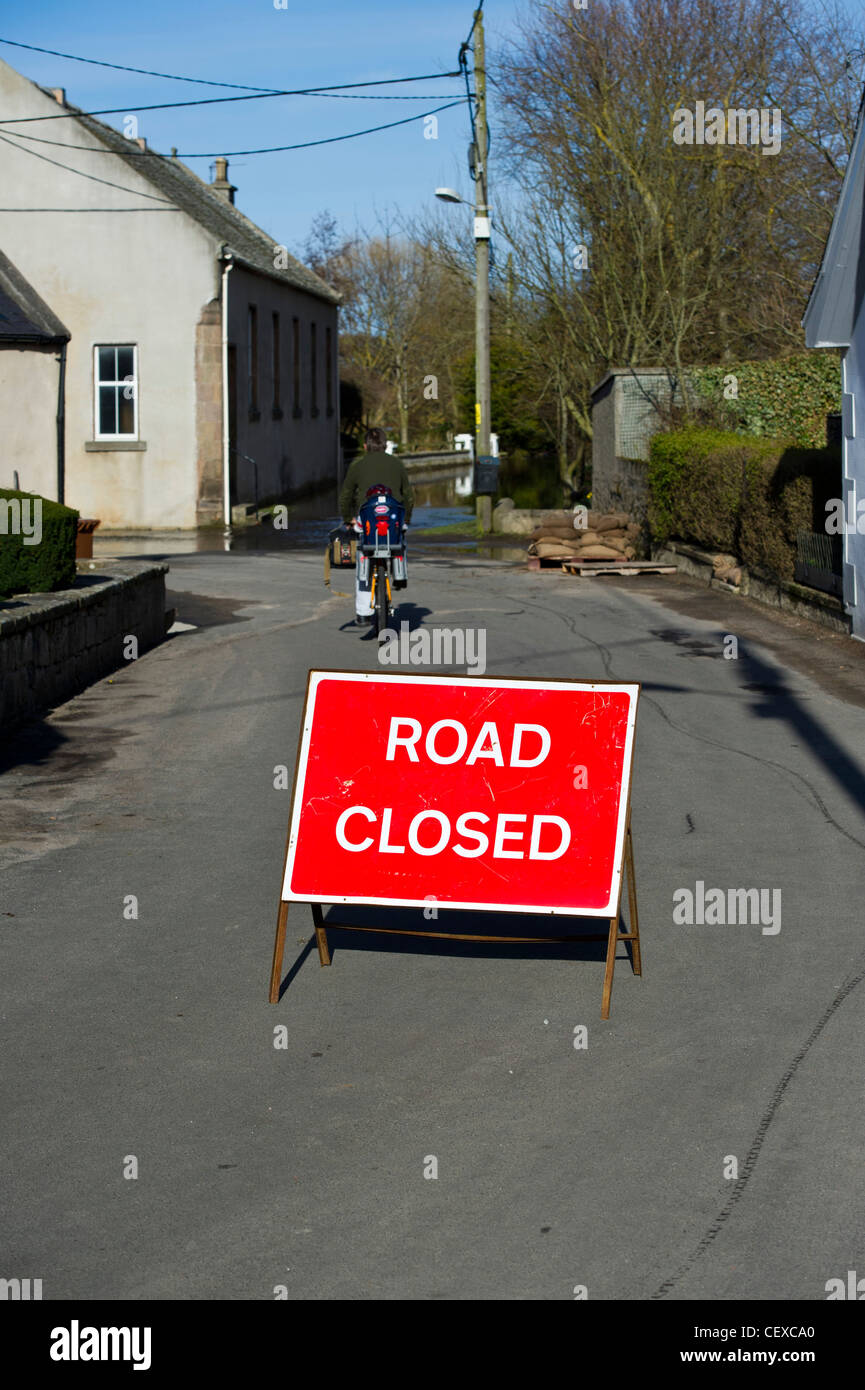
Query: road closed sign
{"type": "Point", "coordinates": [504, 795]}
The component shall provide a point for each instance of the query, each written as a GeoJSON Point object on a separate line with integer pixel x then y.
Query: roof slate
{"type": "Point", "coordinates": [24, 316]}
{"type": "Point", "coordinates": [175, 181]}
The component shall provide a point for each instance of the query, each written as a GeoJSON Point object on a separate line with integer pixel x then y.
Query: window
{"type": "Point", "coordinates": [277, 383]}
{"type": "Point", "coordinates": [252, 361]}
{"type": "Point", "coordinates": [295, 354]}
{"type": "Point", "coordinates": [328, 366]}
{"type": "Point", "coordinates": [313, 371]}
{"type": "Point", "coordinates": [115, 375]}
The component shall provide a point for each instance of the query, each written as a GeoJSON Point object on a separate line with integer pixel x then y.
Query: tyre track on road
{"type": "Point", "coordinates": [850, 983]}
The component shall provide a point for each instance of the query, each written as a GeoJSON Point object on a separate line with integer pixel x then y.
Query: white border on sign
{"type": "Point", "coordinates": [353, 677]}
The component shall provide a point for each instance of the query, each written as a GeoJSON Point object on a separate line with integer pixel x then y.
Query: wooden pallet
{"type": "Point", "coordinates": [585, 567]}
{"type": "Point", "coordinates": [572, 564]}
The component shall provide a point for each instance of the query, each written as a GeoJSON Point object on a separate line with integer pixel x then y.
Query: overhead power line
{"type": "Point", "coordinates": [123, 67]}
{"type": "Point", "coordinates": [93, 178]}
{"type": "Point", "coordinates": [209, 81]}
{"type": "Point", "coordinates": [138, 209]}
{"type": "Point", "coordinates": [474, 26]}
{"type": "Point", "coordinates": [213, 154]}
{"type": "Point", "coordinates": [219, 101]}
{"type": "Point", "coordinates": [331, 140]}
{"type": "Point", "coordinates": [380, 96]}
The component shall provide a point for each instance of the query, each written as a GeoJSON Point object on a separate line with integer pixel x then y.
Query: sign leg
{"type": "Point", "coordinates": [278, 951]}
{"type": "Point", "coordinates": [612, 943]}
{"type": "Point", "coordinates": [633, 917]}
{"type": "Point", "coordinates": [321, 934]}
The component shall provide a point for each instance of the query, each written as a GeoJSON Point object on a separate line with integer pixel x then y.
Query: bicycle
{"type": "Point", "coordinates": [382, 545]}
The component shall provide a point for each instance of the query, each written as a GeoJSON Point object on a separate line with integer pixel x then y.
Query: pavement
{"type": "Point", "coordinates": [705, 1143]}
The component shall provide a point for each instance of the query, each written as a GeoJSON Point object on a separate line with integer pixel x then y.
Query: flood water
{"type": "Point", "coordinates": [308, 524]}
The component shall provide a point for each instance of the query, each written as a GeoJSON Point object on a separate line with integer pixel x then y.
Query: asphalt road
{"type": "Point", "coordinates": [151, 1037]}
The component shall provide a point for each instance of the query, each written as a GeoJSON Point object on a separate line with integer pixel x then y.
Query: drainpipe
{"type": "Point", "coordinates": [227, 257]}
{"type": "Point", "coordinates": [61, 425]}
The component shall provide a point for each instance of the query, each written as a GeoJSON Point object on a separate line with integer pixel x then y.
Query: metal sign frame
{"type": "Point", "coordinates": [623, 859]}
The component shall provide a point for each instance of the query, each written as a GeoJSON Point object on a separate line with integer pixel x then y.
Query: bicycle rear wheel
{"type": "Point", "coordinates": [381, 603]}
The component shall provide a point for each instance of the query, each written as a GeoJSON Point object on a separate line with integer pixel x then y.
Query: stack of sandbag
{"type": "Point", "coordinates": [600, 536]}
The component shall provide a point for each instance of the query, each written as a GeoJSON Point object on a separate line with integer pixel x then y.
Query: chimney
{"type": "Point", "coordinates": [59, 95]}
{"type": "Point", "coordinates": [220, 183]}
{"type": "Point", "coordinates": [141, 143]}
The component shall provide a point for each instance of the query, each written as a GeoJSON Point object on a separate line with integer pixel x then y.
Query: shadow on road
{"type": "Point", "coordinates": [202, 610]}
{"type": "Point", "coordinates": [409, 613]}
{"type": "Point", "coordinates": [777, 701]}
{"type": "Point", "coordinates": [576, 944]}
{"type": "Point", "coordinates": [30, 744]}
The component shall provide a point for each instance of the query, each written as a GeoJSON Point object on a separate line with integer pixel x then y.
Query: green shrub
{"type": "Point", "coordinates": [39, 568]}
{"type": "Point", "coordinates": [781, 398]}
{"type": "Point", "coordinates": [746, 496]}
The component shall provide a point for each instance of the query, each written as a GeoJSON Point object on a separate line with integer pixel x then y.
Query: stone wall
{"type": "Point", "coordinates": [628, 406]}
{"type": "Point", "coordinates": [54, 645]}
{"type": "Point", "coordinates": [784, 594]}
{"type": "Point", "coordinates": [208, 412]}
{"type": "Point", "coordinates": [623, 487]}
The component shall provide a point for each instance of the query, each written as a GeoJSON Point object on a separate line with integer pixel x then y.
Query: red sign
{"type": "Point", "coordinates": [485, 794]}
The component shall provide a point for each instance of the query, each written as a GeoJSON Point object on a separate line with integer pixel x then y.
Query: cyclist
{"type": "Point", "coordinates": [373, 467]}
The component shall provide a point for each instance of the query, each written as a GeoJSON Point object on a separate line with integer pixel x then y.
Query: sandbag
{"type": "Point", "coordinates": [612, 537]}
{"type": "Point", "coordinates": [572, 538]}
{"type": "Point", "coordinates": [551, 549]}
{"type": "Point", "coordinates": [555, 531]}
{"type": "Point", "coordinates": [613, 521]}
{"type": "Point", "coordinates": [731, 575]}
{"type": "Point", "coordinates": [617, 546]}
{"type": "Point", "coordinates": [598, 552]}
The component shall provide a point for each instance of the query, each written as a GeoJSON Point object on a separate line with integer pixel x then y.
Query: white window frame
{"type": "Point", "coordinates": [97, 382]}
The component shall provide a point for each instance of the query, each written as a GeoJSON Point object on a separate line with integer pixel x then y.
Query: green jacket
{"type": "Point", "coordinates": [365, 472]}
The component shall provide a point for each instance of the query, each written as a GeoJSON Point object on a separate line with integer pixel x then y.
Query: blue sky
{"type": "Point", "coordinates": [250, 41]}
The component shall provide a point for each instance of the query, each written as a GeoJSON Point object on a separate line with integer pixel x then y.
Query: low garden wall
{"type": "Point", "coordinates": [53, 645]}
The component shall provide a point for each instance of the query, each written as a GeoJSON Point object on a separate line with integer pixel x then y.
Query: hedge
{"type": "Point", "coordinates": [47, 565]}
{"type": "Point", "coordinates": [746, 496]}
{"type": "Point", "coordinates": [782, 398]}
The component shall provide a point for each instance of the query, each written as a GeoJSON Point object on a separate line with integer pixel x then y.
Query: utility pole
{"type": "Point", "coordinates": [482, 252]}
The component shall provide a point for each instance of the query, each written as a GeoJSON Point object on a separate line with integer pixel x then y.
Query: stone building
{"type": "Point", "coordinates": [33, 347]}
{"type": "Point", "coordinates": [170, 420]}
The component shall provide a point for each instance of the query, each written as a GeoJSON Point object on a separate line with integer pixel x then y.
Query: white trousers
{"type": "Point", "coordinates": [363, 589]}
